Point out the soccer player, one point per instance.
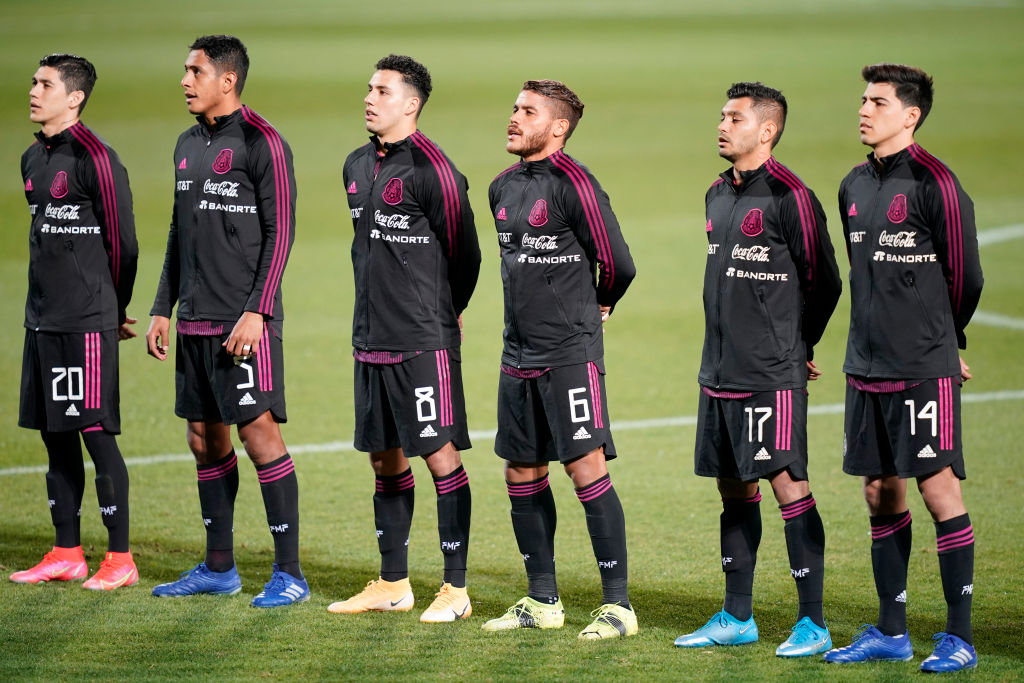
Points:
(231, 232)
(770, 285)
(415, 258)
(915, 281)
(81, 270)
(564, 265)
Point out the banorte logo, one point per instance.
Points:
(222, 164)
(59, 187)
(539, 213)
(753, 223)
(897, 212)
(393, 191)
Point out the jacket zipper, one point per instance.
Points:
(511, 288)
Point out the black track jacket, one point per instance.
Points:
(556, 230)
(915, 275)
(771, 281)
(233, 224)
(82, 248)
(415, 254)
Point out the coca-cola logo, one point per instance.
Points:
(64, 212)
(753, 223)
(59, 187)
(395, 221)
(903, 238)
(222, 164)
(393, 191)
(754, 253)
(897, 212)
(222, 189)
(539, 213)
(540, 242)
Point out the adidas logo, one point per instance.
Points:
(427, 432)
(247, 400)
(28, 185)
(853, 210)
(72, 411)
(926, 452)
(902, 597)
(352, 188)
(581, 434)
(184, 164)
(762, 455)
(501, 214)
(708, 228)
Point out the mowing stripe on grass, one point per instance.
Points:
(997, 235)
(997, 320)
(619, 426)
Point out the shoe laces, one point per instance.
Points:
(445, 597)
(944, 644)
(862, 632)
(277, 583)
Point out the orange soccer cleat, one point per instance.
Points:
(60, 564)
(116, 570)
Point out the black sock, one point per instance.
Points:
(607, 526)
(805, 542)
(393, 505)
(111, 485)
(955, 541)
(534, 520)
(280, 490)
(218, 486)
(890, 554)
(65, 484)
(740, 529)
(454, 507)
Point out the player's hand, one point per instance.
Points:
(157, 337)
(244, 340)
(965, 370)
(462, 337)
(606, 312)
(126, 332)
(813, 372)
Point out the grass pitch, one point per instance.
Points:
(653, 74)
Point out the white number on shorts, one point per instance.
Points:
(425, 402)
(929, 412)
(75, 384)
(760, 423)
(583, 415)
(249, 383)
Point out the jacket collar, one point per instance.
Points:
(60, 138)
(885, 165)
(746, 176)
(220, 122)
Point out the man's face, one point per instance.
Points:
(48, 97)
(882, 115)
(531, 126)
(739, 133)
(388, 102)
(204, 88)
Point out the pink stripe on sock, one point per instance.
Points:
(276, 472)
(595, 490)
(796, 509)
(957, 539)
(453, 482)
(407, 481)
(222, 470)
(527, 489)
(884, 530)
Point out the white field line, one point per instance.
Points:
(619, 426)
(997, 320)
(997, 235)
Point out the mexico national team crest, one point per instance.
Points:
(59, 187)
(393, 191)
(222, 164)
(897, 212)
(753, 223)
(539, 213)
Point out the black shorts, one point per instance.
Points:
(560, 415)
(417, 404)
(211, 387)
(750, 438)
(907, 433)
(69, 381)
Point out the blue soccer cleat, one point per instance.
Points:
(871, 645)
(282, 589)
(951, 654)
(721, 629)
(201, 580)
(806, 639)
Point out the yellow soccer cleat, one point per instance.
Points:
(450, 604)
(528, 613)
(378, 596)
(611, 621)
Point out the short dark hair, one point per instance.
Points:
(413, 73)
(769, 103)
(77, 73)
(913, 86)
(567, 105)
(227, 54)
